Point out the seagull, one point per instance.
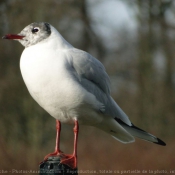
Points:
(72, 86)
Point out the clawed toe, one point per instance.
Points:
(70, 160)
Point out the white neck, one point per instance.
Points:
(58, 40)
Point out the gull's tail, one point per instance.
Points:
(113, 128)
(137, 132)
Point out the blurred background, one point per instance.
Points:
(135, 40)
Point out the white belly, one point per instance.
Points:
(56, 90)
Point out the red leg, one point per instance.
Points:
(57, 146)
(71, 160)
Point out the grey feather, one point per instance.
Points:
(93, 77)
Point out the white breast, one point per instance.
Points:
(43, 75)
(54, 87)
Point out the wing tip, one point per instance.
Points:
(160, 142)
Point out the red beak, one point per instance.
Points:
(13, 36)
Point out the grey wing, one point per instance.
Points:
(93, 77)
(91, 69)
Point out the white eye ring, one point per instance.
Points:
(35, 30)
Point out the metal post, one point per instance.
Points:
(53, 167)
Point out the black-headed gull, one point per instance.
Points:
(72, 86)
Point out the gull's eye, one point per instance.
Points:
(35, 30)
